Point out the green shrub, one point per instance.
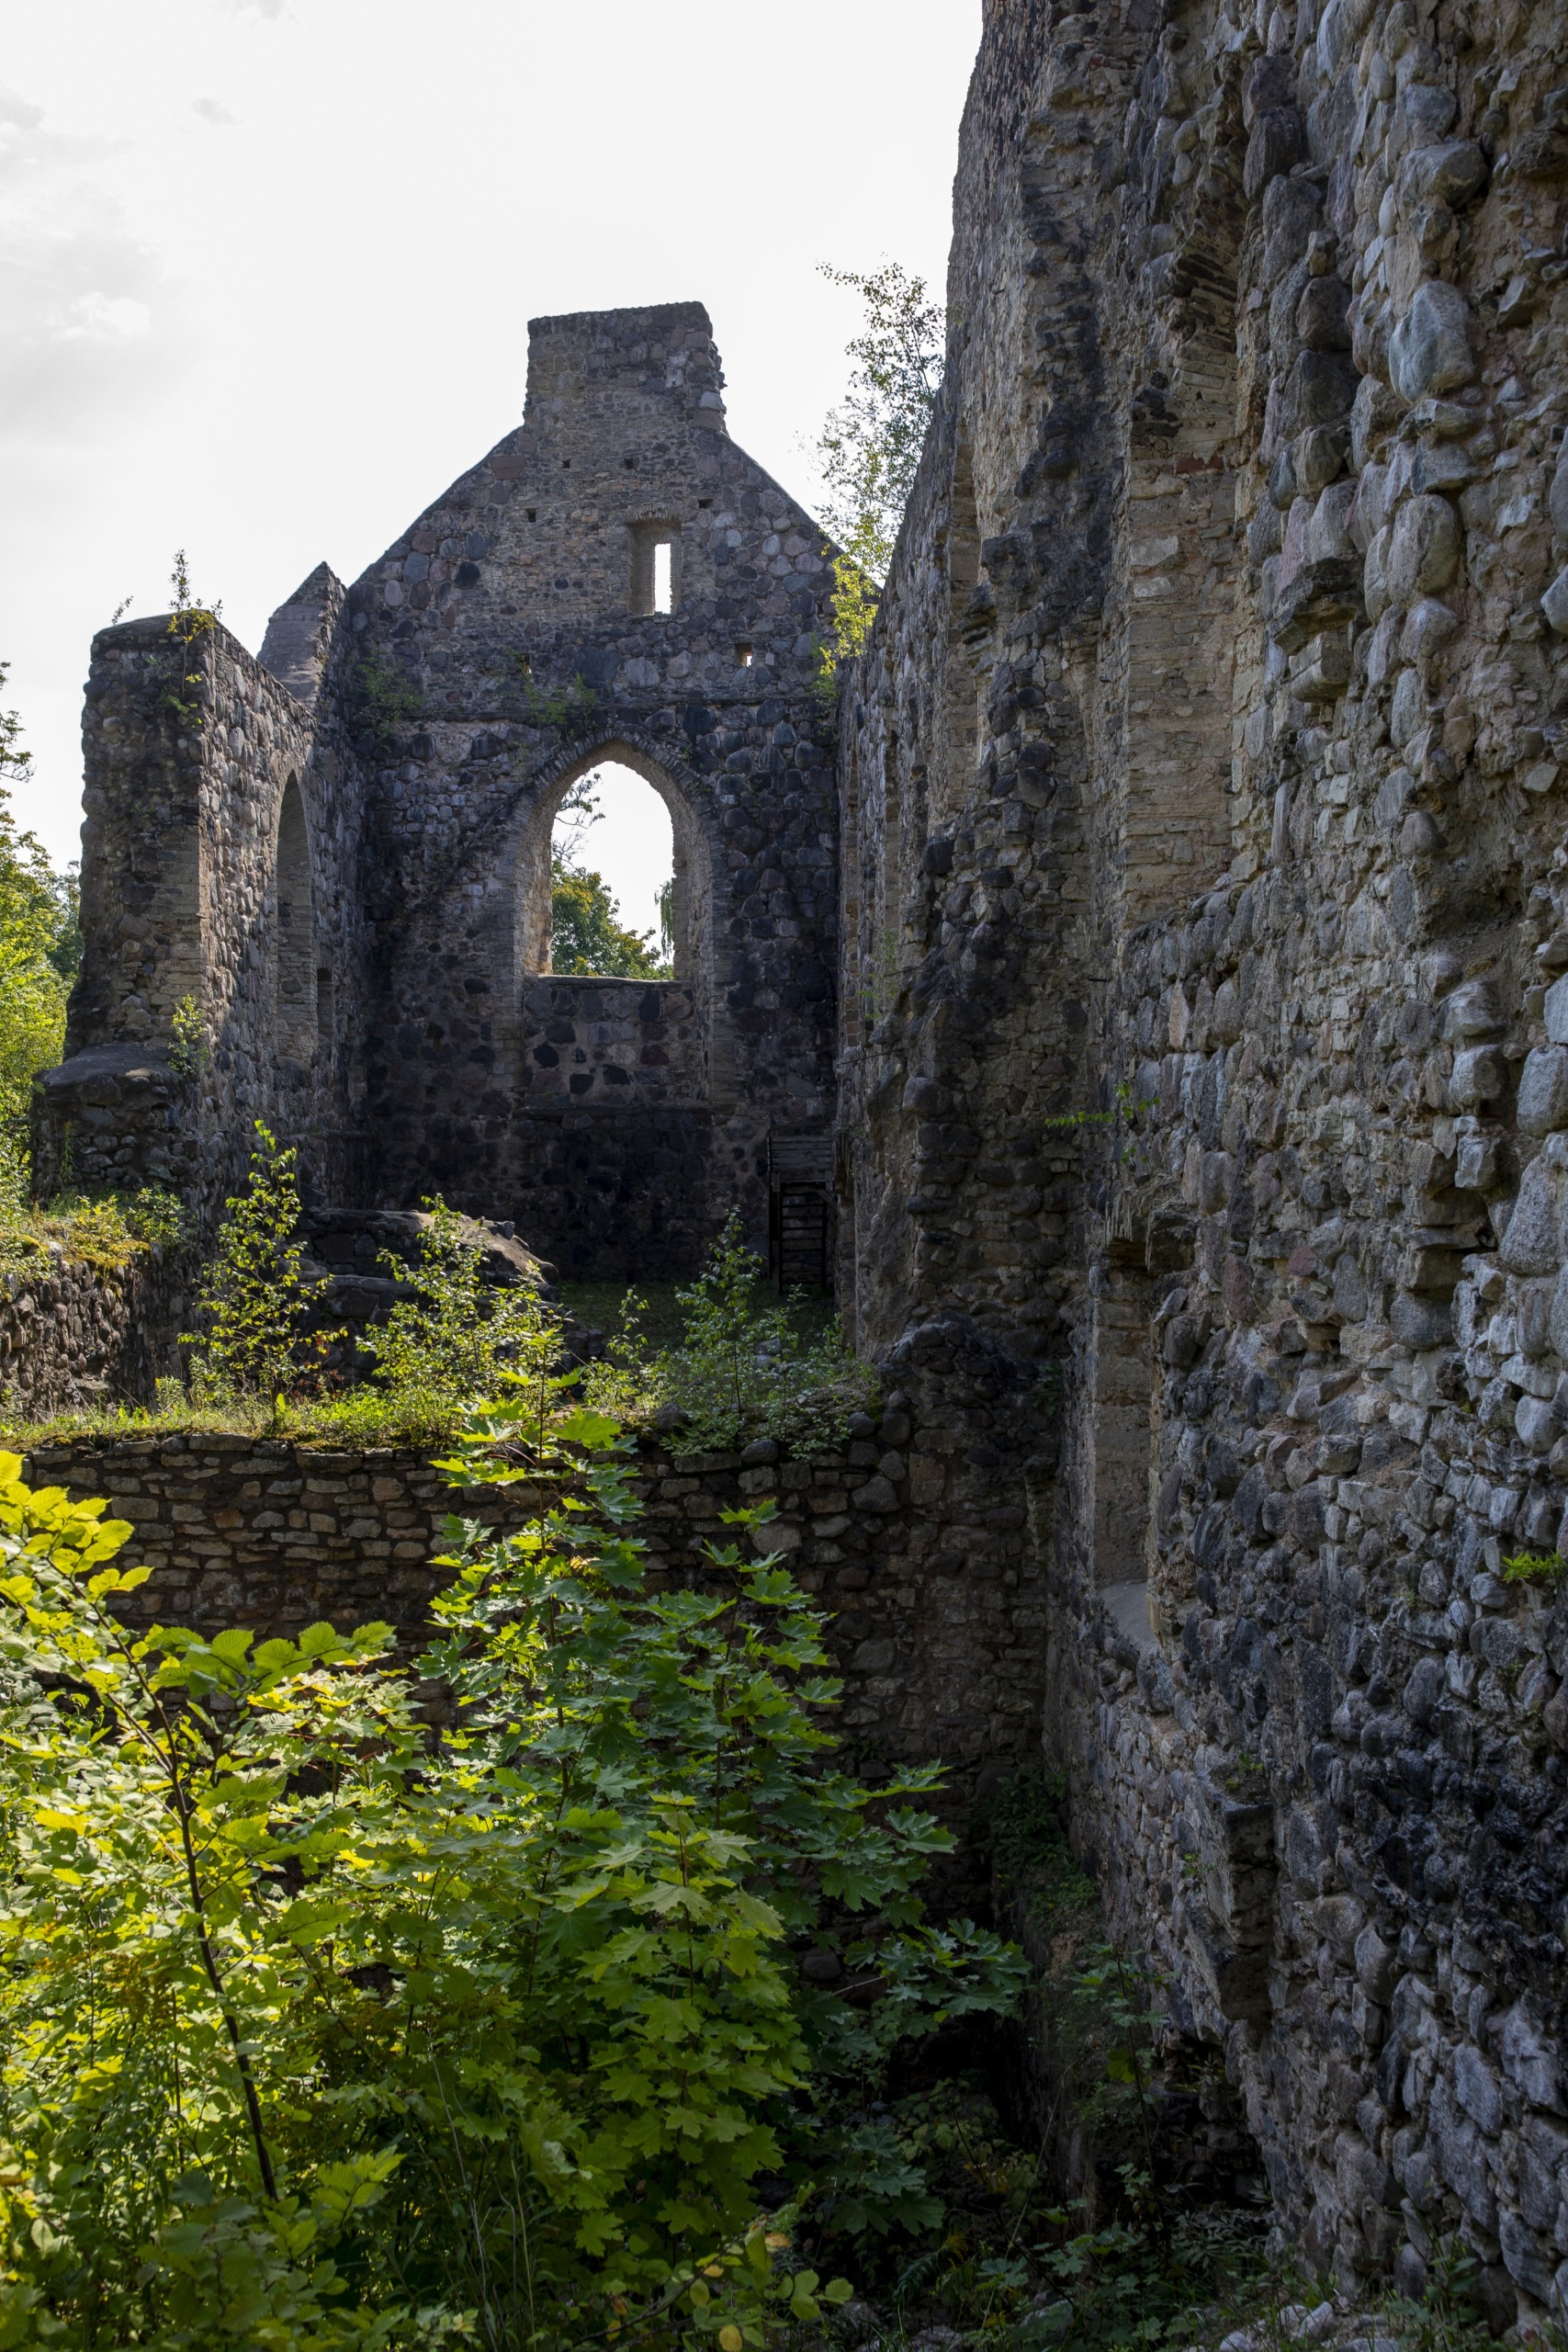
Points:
(453, 1341)
(322, 2029)
(105, 1230)
(1535, 1567)
(251, 1299)
(744, 1370)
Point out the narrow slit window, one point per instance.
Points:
(743, 657)
(655, 567)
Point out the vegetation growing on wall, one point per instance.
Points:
(105, 1230)
(191, 620)
(40, 952)
(571, 709)
(382, 699)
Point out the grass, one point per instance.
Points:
(363, 1416)
(660, 1323)
(367, 1417)
(602, 1305)
(105, 1230)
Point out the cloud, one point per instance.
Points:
(212, 111)
(106, 318)
(92, 329)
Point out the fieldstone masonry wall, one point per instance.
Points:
(339, 855)
(931, 1595)
(71, 1336)
(1203, 846)
(208, 883)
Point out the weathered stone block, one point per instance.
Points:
(1544, 1090)
(1429, 348)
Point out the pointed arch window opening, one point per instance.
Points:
(653, 867)
(611, 878)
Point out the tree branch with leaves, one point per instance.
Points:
(870, 445)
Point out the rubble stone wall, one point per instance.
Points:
(1204, 849)
(219, 874)
(935, 1605)
(1192, 906)
(73, 1335)
(517, 611)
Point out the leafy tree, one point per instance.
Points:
(458, 1337)
(40, 945)
(870, 446)
(325, 2030)
(251, 1300)
(586, 933)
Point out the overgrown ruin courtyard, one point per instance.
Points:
(1117, 967)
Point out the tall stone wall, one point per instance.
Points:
(1193, 915)
(221, 874)
(518, 611)
(1203, 850)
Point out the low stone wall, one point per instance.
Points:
(73, 1335)
(934, 1613)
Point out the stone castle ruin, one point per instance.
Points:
(359, 904)
(1163, 983)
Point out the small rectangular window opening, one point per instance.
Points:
(653, 567)
(743, 657)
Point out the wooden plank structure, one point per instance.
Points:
(800, 1172)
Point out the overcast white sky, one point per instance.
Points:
(266, 265)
